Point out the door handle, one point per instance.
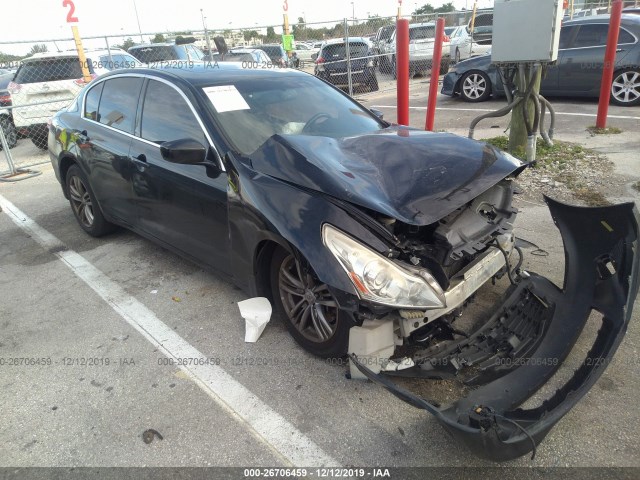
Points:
(140, 162)
(83, 136)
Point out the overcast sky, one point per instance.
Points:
(46, 19)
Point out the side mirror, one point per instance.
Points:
(185, 151)
(377, 113)
(314, 56)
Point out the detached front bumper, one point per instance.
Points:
(531, 334)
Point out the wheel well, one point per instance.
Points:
(65, 165)
(262, 266)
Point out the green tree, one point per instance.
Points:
(425, 10)
(446, 8)
(249, 34)
(6, 57)
(159, 38)
(127, 44)
(38, 48)
(271, 34)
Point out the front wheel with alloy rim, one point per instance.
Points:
(625, 88)
(84, 205)
(307, 307)
(475, 86)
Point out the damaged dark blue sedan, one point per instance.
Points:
(364, 235)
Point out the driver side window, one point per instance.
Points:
(167, 116)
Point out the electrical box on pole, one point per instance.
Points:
(526, 31)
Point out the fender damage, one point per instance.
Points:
(535, 328)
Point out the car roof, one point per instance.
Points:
(627, 19)
(244, 50)
(334, 41)
(426, 24)
(208, 73)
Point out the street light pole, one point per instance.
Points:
(206, 33)
(138, 20)
(353, 12)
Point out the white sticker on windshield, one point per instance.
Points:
(226, 98)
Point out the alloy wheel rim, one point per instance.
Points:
(626, 87)
(308, 304)
(81, 200)
(474, 86)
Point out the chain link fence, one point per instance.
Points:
(38, 82)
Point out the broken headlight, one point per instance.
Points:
(379, 279)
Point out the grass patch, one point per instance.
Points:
(593, 130)
(563, 163)
(557, 157)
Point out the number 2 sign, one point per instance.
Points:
(72, 8)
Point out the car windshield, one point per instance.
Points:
(339, 51)
(49, 70)
(420, 33)
(155, 54)
(300, 105)
(273, 51)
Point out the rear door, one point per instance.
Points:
(181, 205)
(582, 63)
(109, 115)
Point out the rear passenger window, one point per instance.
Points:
(591, 36)
(166, 116)
(91, 102)
(119, 102)
(625, 37)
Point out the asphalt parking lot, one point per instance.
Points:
(109, 319)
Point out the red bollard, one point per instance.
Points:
(609, 63)
(402, 70)
(435, 75)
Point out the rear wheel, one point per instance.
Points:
(373, 83)
(84, 205)
(39, 136)
(475, 86)
(307, 307)
(9, 130)
(625, 88)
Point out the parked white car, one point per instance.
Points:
(421, 46)
(47, 82)
(304, 52)
(462, 46)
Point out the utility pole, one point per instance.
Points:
(518, 134)
(138, 19)
(206, 33)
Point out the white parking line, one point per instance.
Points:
(621, 117)
(268, 426)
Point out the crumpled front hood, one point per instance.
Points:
(414, 176)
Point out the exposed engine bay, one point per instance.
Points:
(532, 330)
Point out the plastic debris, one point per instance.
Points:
(256, 313)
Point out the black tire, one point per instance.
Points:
(39, 136)
(10, 132)
(475, 86)
(373, 83)
(84, 205)
(384, 65)
(625, 88)
(325, 331)
(444, 66)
